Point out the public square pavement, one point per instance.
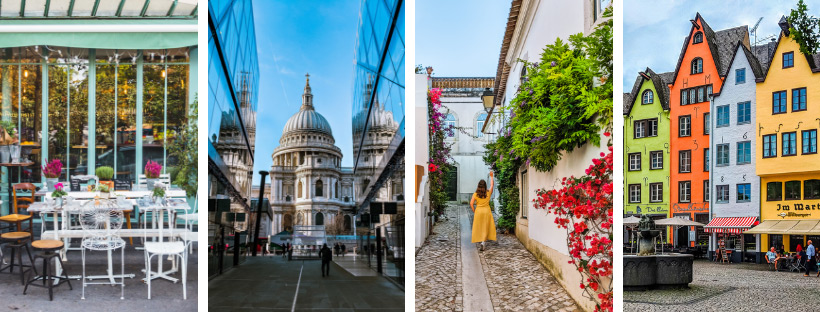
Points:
(736, 287)
(273, 283)
(165, 295)
(453, 275)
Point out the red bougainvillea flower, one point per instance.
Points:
(433, 167)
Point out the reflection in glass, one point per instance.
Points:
(153, 114)
(126, 121)
(57, 115)
(78, 110)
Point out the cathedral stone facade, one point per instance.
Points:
(308, 184)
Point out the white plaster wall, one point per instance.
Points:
(422, 155)
(468, 149)
(734, 174)
(550, 20)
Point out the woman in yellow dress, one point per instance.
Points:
(483, 223)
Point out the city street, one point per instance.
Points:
(273, 283)
(453, 275)
(718, 287)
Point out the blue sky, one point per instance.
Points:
(460, 39)
(293, 38)
(662, 29)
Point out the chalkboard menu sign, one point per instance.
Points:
(122, 185)
(75, 185)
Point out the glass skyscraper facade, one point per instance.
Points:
(233, 77)
(378, 133)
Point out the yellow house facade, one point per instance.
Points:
(788, 117)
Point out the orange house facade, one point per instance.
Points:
(698, 74)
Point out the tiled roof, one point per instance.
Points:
(721, 44)
(763, 54)
(661, 83)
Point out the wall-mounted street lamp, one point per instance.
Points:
(488, 99)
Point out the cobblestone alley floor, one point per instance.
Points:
(513, 280)
(739, 287)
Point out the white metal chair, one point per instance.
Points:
(101, 220)
(190, 217)
(165, 178)
(161, 248)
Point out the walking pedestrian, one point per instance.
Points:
(326, 256)
(284, 250)
(343, 249)
(336, 248)
(290, 251)
(483, 223)
(809, 258)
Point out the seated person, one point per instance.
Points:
(772, 257)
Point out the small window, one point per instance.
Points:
(646, 128)
(684, 126)
(705, 160)
(648, 97)
(722, 194)
(798, 99)
(480, 124)
(656, 160)
(640, 129)
(769, 145)
(684, 191)
(698, 38)
(789, 144)
(788, 59)
(319, 189)
(810, 141)
(722, 116)
(722, 157)
(779, 102)
(744, 152)
(811, 189)
(685, 161)
(744, 193)
(774, 191)
(740, 76)
(707, 123)
(707, 191)
(792, 190)
(697, 66)
(634, 193)
(635, 162)
(655, 192)
(744, 113)
(449, 122)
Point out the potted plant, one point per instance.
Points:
(58, 194)
(105, 174)
(152, 170)
(158, 193)
(9, 146)
(52, 172)
(105, 191)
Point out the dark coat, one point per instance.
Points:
(326, 254)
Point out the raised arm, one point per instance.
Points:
(492, 185)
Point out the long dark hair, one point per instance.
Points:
(481, 191)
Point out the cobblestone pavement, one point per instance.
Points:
(740, 287)
(516, 280)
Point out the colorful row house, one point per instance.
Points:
(646, 147)
(735, 201)
(787, 120)
(729, 139)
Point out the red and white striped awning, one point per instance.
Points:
(730, 225)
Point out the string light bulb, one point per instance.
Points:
(163, 74)
(25, 73)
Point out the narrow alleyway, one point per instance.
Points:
(453, 275)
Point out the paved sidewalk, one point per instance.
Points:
(272, 283)
(511, 276)
(738, 287)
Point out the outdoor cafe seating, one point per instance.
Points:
(88, 221)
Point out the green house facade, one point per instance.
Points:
(646, 146)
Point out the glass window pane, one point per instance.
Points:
(153, 114)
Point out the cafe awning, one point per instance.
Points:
(794, 227)
(730, 225)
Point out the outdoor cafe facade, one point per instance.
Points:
(110, 88)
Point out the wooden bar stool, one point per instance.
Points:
(21, 201)
(49, 248)
(16, 241)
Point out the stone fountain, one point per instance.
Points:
(648, 270)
